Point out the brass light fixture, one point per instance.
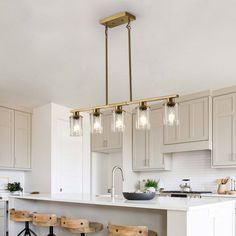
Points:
(118, 124)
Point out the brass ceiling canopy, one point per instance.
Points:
(117, 19)
(142, 120)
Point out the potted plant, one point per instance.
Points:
(14, 188)
(151, 185)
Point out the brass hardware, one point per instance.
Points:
(96, 112)
(118, 110)
(106, 63)
(112, 105)
(143, 106)
(117, 19)
(170, 102)
(130, 61)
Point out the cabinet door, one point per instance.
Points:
(139, 148)
(6, 137)
(100, 141)
(223, 130)
(155, 140)
(193, 123)
(22, 140)
(114, 138)
(108, 141)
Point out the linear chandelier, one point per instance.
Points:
(142, 109)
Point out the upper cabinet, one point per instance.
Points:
(6, 137)
(194, 129)
(224, 131)
(15, 138)
(22, 140)
(108, 141)
(147, 145)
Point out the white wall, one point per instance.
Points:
(193, 165)
(13, 176)
(102, 165)
(39, 180)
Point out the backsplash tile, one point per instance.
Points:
(193, 165)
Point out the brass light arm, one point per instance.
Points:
(113, 105)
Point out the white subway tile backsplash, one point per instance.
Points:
(193, 165)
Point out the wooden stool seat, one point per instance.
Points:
(45, 220)
(25, 217)
(20, 216)
(80, 226)
(119, 230)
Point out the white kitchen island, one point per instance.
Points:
(167, 216)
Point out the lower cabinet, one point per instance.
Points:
(3, 218)
(147, 145)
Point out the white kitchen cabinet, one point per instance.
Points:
(108, 141)
(224, 131)
(22, 158)
(193, 131)
(6, 138)
(15, 138)
(147, 153)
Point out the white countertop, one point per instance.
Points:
(159, 203)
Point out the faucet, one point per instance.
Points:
(113, 179)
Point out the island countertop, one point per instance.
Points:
(158, 203)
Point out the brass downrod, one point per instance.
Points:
(130, 62)
(106, 63)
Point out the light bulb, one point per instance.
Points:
(118, 122)
(142, 117)
(76, 125)
(171, 113)
(96, 122)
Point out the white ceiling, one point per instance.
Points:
(53, 51)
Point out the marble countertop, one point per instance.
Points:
(159, 203)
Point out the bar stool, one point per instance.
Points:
(80, 226)
(46, 220)
(22, 216)
(120, 230)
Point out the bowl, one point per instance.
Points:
(139, 196)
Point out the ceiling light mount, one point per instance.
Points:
(117, 19)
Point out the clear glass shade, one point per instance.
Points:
(118, 121)
(171, 115)
(96, 123)
(76, 125)
(142, 118)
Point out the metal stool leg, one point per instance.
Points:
(31, 231)
(21, 232)
(51, 231)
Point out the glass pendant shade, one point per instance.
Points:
(118, 121)
(143, 118)
(171, 114)
(96, 122)
(76, 125)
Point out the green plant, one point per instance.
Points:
(14, 187)
(151, 183)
